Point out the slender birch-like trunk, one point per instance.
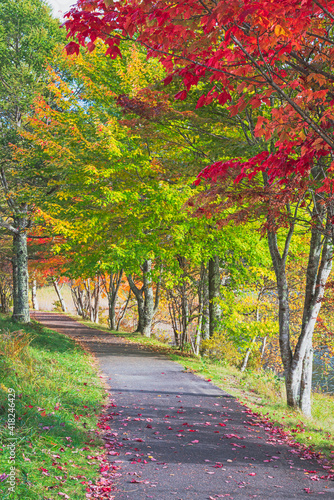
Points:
(214, 294)
(206, 308)
(59, 294)
(34, 300)
(115, 281)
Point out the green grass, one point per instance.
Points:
(58, 399)
(262, 391)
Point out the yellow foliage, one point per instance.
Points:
(221, 348)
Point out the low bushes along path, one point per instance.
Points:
(178, 437)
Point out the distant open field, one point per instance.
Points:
(47, 298)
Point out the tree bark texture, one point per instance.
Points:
(14, 270)
(20, 275)
(214, 294)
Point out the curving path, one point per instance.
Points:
(182, 438)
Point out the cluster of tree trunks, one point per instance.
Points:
(86, 295)
(112, 289)
(196, 297)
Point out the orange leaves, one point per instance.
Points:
(261, 126)
(279, 30)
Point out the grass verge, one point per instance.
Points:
(58, 398)
(262, 391)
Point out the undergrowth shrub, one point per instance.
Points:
(220, 347)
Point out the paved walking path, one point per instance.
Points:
(182, 438)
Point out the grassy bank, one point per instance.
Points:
(58, 397)
(262, 391)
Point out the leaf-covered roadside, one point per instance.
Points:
(59, 397)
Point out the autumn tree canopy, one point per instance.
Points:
(271, 54)
(277, 59)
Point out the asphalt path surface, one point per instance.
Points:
(180, 437)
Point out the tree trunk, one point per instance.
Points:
(20, 275)
(248, 353)
(5, 294)
(317, 276)
(139, 295)
(206, 308)
(172, 308)
(214, 294)
(263, 348)
(88, 300)
(34, 296)
(59, 295)
(185, 314)
(201, 286)
(148, 298)
(250, 348)
(15, 292)
(96, 296)
(298, 365)
(123, 311)
(147, 305)
(77, 296)
(115, 281)
(279, 263)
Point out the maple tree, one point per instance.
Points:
(278, 54)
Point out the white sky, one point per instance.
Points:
(60, 6)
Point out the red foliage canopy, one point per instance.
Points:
(267, 53)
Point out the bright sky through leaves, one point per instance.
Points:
(60, 7)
